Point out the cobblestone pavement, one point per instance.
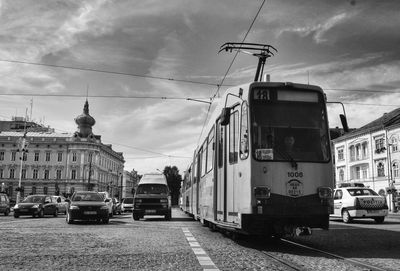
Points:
(155, 244)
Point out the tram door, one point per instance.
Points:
(220, 184)
(232, 158)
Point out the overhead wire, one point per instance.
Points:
(110, 72)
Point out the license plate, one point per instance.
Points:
(373, 211)
(89, 212)
(150, 211)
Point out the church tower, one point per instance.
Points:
(85, 123)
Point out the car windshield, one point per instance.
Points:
(33, 199)
(152, 189)
(87, 197)
(128, 200)
(362, 192)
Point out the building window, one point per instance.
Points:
(379, 145)
(46, 174)
(23, 173)
(340, 154)
(1, 156)
(45, 190)
(48, 156)
(35, 174)
(1, 173)
(341, 175)
(395, 169)
(60, 156)
(365, 150)
(381, 169)
(36, 156)
(12, 173)
(73, 174)
(34, 189)
(352, 153)
(13, 155)
(394, 144)
(74, 157)
(58, 174)
(24, 156)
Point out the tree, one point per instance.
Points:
(174, 180)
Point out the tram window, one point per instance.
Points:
(195, 170)
(233, 136)
(204, 158)
(220, 146)
(244, 133)
(210, 150)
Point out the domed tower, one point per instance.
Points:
(85, 123)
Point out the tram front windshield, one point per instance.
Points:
(289, 125)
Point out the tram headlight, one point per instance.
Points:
(325, 192)
(262, 192)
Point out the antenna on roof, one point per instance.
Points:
(262, 51)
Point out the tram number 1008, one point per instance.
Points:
(295, 174)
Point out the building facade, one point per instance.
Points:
(59, 163)
(371, 155)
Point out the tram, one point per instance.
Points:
(264, 167)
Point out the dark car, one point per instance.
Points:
(36, 205)
(4, 204)
(87, 205)
(61, 203)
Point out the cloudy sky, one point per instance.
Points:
(348, 47)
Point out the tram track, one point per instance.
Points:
(299, 265)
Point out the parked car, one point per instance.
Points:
(36, 205)
(116, 206)
(87, 205)
(61, 203)
(4, 204)
(359, 202)
(109, 202)
(127, 205)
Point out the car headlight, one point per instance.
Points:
(73, 207)
(36, 206)
(16, 206)
(104, 207)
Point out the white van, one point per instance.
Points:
(152, 197)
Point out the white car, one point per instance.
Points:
(127, 205)
(109, 203)
(359, 202)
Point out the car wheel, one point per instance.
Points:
(379, 219)
(136, 217)
(56, 213)
(16, 215)
(168, 217)
(346, 217)
(41, 213)
(106, 220)
(68, 219)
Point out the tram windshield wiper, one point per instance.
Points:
(286, 155)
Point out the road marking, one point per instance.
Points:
(202, 257)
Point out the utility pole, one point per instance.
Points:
(23, 144)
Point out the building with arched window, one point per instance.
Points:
(59, 163)
(370, 154)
